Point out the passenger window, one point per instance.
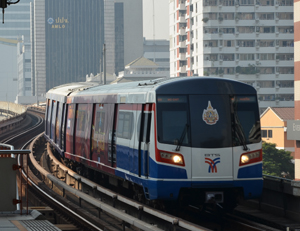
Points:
(125, 125)
(146, 129)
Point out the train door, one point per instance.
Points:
(49, 116)
(83, 131)
(58, 125)
(63, 128)
(53, 120)
(127, 157)
(102, 145)
(70, 130)
(211, 134)
(112, 146)
(143, 136)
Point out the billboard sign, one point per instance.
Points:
(293, 129)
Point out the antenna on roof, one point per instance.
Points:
(153, 31)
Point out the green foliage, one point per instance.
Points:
(277, 162)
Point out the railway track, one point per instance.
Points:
(91, 207)
(140, 211)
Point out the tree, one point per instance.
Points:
(277, 162)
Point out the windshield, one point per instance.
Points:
(246, 129)
(172, 117)
(209, 118)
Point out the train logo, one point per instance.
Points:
(212, 164)
(210, 115)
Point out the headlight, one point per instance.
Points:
(177, 159)
(171, 158)
(245, 159)
(251, 157)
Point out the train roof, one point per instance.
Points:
(144, 91)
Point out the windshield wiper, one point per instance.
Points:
(238, 129)
(182, 137)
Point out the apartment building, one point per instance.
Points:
(297, 83)
(247, 40)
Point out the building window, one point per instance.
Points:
(285, 16)
(266, 97)
(266, 133)
(265, 16)
(270, 133)
(265, 43)
(265, 84)
(285, 84)
(285, 70)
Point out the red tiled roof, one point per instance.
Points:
(285, 113)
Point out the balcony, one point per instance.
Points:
(181, 6)
(181, 19)
(182, 56)
(182, 69)
(182, 31)
(182, 44)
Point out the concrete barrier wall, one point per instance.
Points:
(16, 108)
(17, 114)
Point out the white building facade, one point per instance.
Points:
(24, 69)
(247, 40)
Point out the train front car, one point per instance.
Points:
(208, 142)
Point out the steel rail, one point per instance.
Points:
(47, 195)
(168, 218)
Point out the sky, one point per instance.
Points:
(161, 15)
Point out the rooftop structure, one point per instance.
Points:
(274, 127)
(141, 69)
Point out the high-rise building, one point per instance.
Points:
(297, 82)
(24, 70)
(123, 22)
(158, 52)
(16, 21)
(16, 27)
(247, 40)
(67, 38)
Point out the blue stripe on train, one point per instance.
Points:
(254, 171)
(162, 188)
(127, 159)
(169, 190)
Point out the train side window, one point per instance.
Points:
(125, 125)
(63, 127)
(53, 120)
(47, 116)
(146, 130)
(50, 109)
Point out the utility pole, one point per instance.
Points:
(3, 5)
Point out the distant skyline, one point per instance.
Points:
(161, 13)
